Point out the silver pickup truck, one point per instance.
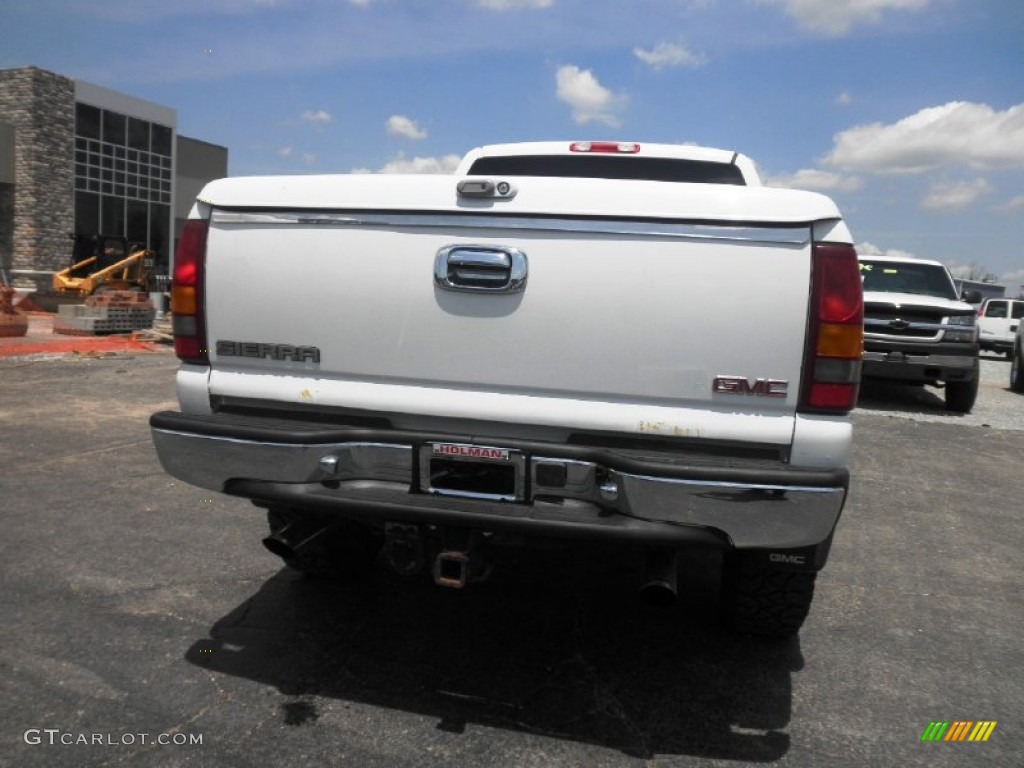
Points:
(613, 342)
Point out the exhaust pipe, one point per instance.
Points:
(658, 587)
(278, 545)
(278, 542)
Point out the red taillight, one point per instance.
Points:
(607, 147)
(835, 338)
(187, 294)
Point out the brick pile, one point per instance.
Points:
(113, 312)
(12, 322)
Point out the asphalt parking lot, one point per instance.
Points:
(138, 610)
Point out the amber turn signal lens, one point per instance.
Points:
(183, 300)
(840, 341)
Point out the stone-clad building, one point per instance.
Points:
(78, 158)
(37, 170)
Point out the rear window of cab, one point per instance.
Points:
(610, 167)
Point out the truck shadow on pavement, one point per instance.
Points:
(879, 395)
(554, 645)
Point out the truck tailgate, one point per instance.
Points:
(622, 324)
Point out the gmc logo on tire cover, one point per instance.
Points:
(741, 385)
(470, 452)
(777, 557)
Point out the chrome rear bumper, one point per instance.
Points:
(563, 491)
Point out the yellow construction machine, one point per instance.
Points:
(105, 263)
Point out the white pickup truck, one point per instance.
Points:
(613, 342)
(918, 330)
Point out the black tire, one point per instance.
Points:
(961, 395)
(341, 551)
(1017, 369)
(760, 600)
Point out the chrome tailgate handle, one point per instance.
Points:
(481, 268)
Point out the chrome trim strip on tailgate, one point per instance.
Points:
(787, 235)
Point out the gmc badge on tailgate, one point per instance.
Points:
(741, 385)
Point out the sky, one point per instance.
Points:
(909, 113)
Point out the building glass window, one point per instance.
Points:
(87, 121)
(137, 230)
(158, 218)
(113, 127)
(122, 177)
(113, 215)
(138, 134)
(161, 139)
(87, 213)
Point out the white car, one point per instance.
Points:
(998, 320)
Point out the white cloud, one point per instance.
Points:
(844, 99)
(870, 249)
(319, 117)
(590, 101)
(510, 5)
(665, 55)
(289, 153)
(401, 164)
(955, 195)
(956, 134)
(1013, 205)
(1014, 282)
(399, 125)
(815, 180)
(837, 17)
